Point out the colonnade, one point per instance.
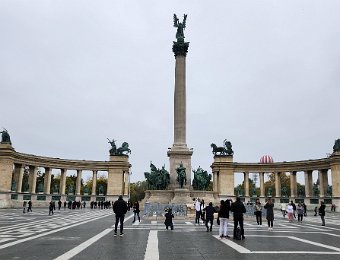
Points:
(224, 170)
(14, 164)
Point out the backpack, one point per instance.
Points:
(238, 234)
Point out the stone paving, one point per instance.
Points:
(88, 234)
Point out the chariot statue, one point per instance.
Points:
(5, 137)
(123, 150)
(226, 149)
(201, 179)
(181, 175)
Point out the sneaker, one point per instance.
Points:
(227, 236)
(115, 234)
(243, 238)
(121, 234)
(221, 236)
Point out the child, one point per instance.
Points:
(168, 219)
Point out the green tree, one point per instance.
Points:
(100, 181)
(137, 191)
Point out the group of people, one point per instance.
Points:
(27, 206)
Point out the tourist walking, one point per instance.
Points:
(304, 209)
(322, 212)
(270, 213)
(168, 219)
(198, 211)
(203, 211)
(50, 208)
(120, 209)
(223, 216)
(290, 211)
(59, 204)
(136, 211)
(258, 212)
(283, 209)
(294, 208)
(238, 210)
(300, 211)
(29, 209)
(209, 216)
(24, 205)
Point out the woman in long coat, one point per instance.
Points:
(270, 213)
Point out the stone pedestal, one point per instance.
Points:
(182, 196)
(6, 167)
(117, 183)
(176, 157)
(223, 170)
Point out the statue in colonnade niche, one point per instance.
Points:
(336, 147)
(40, 187)
(181, 175)
(5, 137)
(225, 150)
(14, 186)
(270, 192)
(70, 189)
(101, 190)
(301, 191)
(26, 187)
(284, 192)
(201, 179)
(86, 190)
(254, 191)
(55, 188)
(329, 190)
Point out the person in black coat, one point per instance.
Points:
(209, 216)
(120, 209)
(322, 212)
(168, 219)
(270, 213)
(238, 210)
(136, 211)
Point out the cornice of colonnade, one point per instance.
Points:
(58, 163)
(305, 165)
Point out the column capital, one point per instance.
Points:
(180, 48)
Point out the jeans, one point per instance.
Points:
(198, 215)
(300, 217)
(259, 217)
(223, 227)
(211, 220)
(323, 219)
(270, 222)
(134, 216)
(119, 219)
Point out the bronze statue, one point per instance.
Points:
(201, 179)
(336, 147)
(180, 27)
(157, 179)
(181, 175)
(123, 150)
(225, 150)
(5, 137)
(284, 192)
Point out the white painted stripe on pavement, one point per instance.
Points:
(153, 222)
(84, 245)
(47, 233)
(316, 244)
(152, 252)
(233, 245)
(189, 223)
(297, 252)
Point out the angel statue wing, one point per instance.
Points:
(175, 21)
(184, 20)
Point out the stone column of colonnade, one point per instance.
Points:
(32, 179)
(62, 186)
(335, 170)
(308, 183)
(78, 182)
(293, 184)
(278, 184)
(246, 184)
(47, 180)
(94, 183)
(262, 191)
(323, 183)
(20, 168)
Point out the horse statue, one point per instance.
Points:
(201, 179)
(181, 175)
(225, 150)
(157, 179)
(5, 137)
(123, 148)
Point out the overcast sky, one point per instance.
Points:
(262, 74)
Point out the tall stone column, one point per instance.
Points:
(246, 184)
(20, 178)
(335, 171)
(63, 182)
(78, 182)
(293, 185)
(277, 184)
(180, 153)
(308, 183)
(32, 178)
(262, 191)
(94, 183)
(321, 184)
(325, 180)
(47, 180)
